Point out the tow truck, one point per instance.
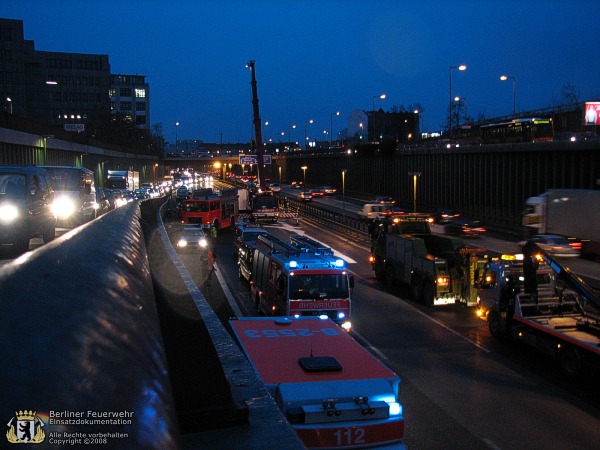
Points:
(440, 270)
(535, 300)
(334, 393)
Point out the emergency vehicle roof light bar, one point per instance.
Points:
(307, 244)
(276, 245)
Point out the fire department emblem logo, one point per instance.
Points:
(25, 428)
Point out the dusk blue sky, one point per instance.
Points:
(314, 58)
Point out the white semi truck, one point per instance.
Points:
(574, 213)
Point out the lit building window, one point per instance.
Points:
(140, 93)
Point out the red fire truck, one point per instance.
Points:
(265, 206)
(302, 278)
(211, 210)
(334, 393)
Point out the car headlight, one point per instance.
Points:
(8, 213)
(63, 207)
(181, 243)
(203, 243)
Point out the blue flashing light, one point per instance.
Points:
(339, 263)
(395, 409)
(341, 315)
(293, 264)
(323, 317)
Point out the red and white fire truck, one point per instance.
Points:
(302, 278)
(265, 206)
(209, 209)
(334, 393)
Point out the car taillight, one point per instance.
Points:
(575, 245)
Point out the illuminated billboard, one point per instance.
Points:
(592, 113)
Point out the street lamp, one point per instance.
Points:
(176, 128)
(266, 125)
(304, 182)
(361, 131)
(415, 176)
(381, 96)
(506, 77)
(344, 193)
(337, 113)
(306, 122)
(155, 166)
(461, 68)
(289, 136)
(9, 100)
(459, 101)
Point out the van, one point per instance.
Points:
(74, 195)
(26, 198)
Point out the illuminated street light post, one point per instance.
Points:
(461, 68)
(506, 77)
(266, 125)
(155, 166)
(415, 176)
(9, 100)
(304, 182)
(460, 100)
(381, 96)
(337, 113)
(289, 136)
(306, 122)
(176, 128)
(344, 194)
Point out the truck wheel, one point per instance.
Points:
(428, 293)
(570, 361)
(494, 325)
(48, 233)
(379, 273)
(416, 288)
(257, 304)
(389, 276)
(21, 245)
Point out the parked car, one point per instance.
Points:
(555, 245)
(191, 238)
(465, 228)
(26, 198)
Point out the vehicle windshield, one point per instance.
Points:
(318, 286)
(12, 185)
(64, 179)
(265, 202)
(196, 207)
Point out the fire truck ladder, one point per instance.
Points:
(308, 245)
(276, 245)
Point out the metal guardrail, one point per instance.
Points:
(92, 330)
(341, 222)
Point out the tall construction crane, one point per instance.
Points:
(257, 130)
